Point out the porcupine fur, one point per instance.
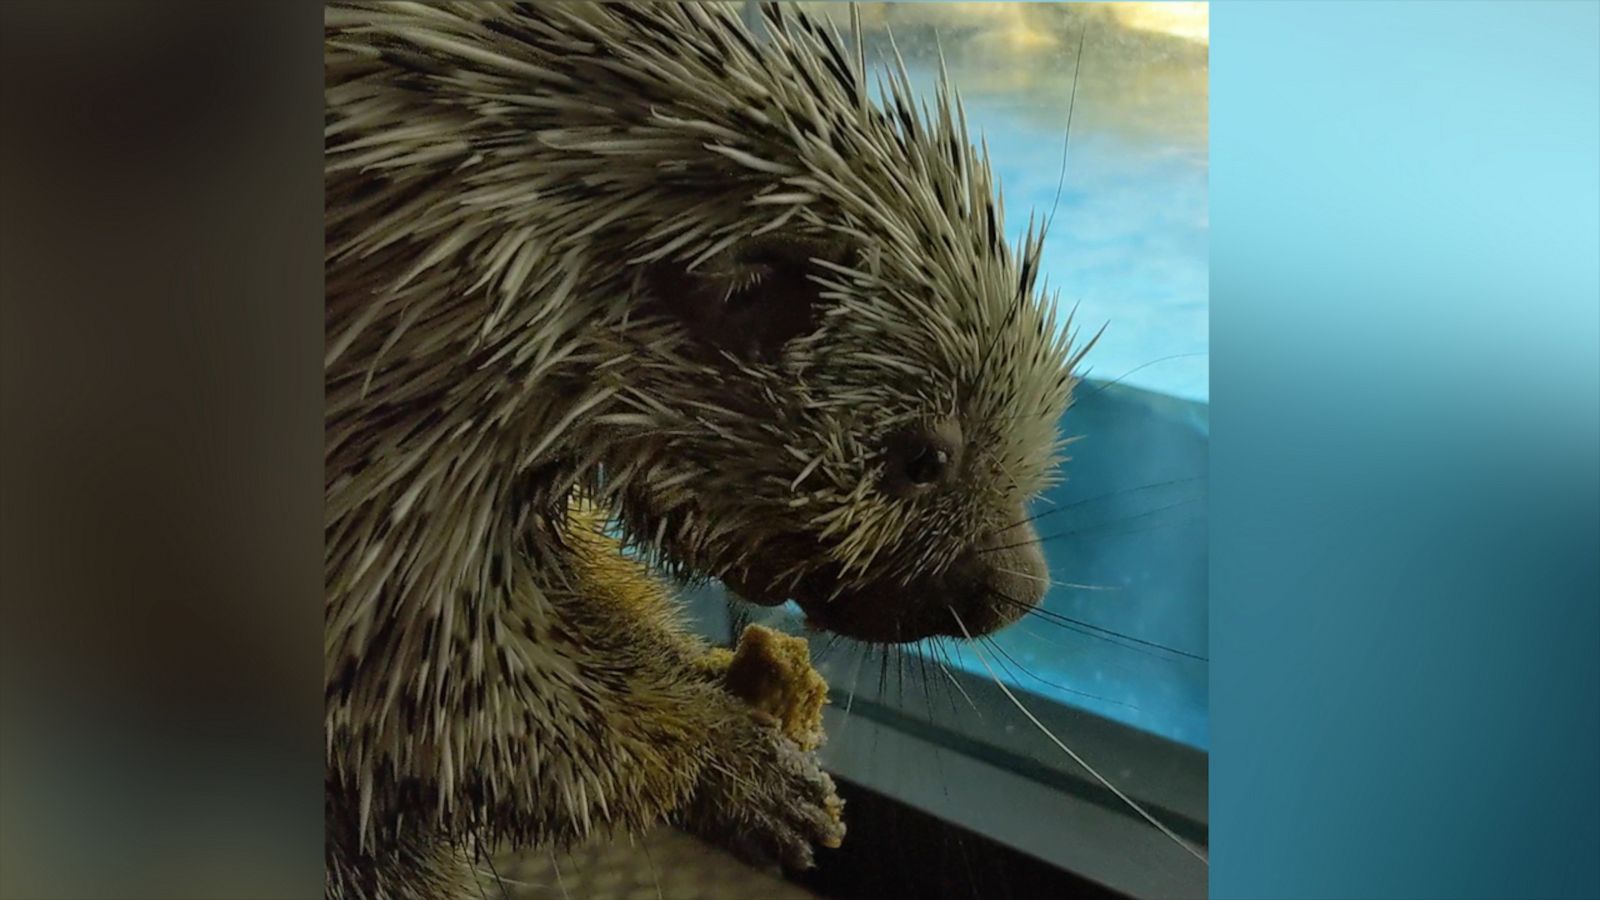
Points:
(591, 263)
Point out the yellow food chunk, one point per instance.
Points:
(772, 672)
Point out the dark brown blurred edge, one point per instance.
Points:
(160, 425)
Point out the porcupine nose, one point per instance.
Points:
(1005, 576)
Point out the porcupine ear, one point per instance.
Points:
(750, 301)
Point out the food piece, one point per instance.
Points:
(772, 672)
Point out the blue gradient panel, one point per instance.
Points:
(1405, 625)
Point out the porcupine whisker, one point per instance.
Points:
(518, 882)
(1103, 529)
(927, 692)
(922, 673)
(886, 659)
(899, 675)
(1061, 584)
(486, 857)
(944, 667)
(833, 641)
(850, 698)
(1022, 628)
(1091, 529)
(1104, 782)
(1066, 139)
(1099, 497)
(1090, 629)
(996, 646)
(1095, 389)
(655, 875)
(928, 653)
(477, 880)
(1030, 261)
(556, 867)
(1100, 387)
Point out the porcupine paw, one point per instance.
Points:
(771, 804)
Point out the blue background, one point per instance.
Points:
(1405, 641)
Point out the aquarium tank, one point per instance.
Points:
(1095, 119)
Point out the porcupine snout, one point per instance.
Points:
(1000, 576)
(992, 584)
(999, 580)
(995, 578)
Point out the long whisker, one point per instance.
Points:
(655, 875)
(943, 667)
(899, 674)
(1090, 529)
(995, 645)
(488, 858)
(1099, 497)
(560, 882)
(886, 653)
(1021, 627)
(481, 874)
(477, 856)
(1197, 854)
(850, 698)
(1066, 139)
(1102, 531)
(1093, 386)
(1118, 380)
(1090, 629)
(1053, 583)
(922, 674)
(827, 649)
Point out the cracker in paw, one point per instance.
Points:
(772, 672)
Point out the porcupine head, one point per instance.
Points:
(862, 389)
(768, 324)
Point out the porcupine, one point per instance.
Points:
(624, 264)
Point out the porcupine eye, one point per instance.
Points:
(751, 304)
(921, 458)
(927, 465)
